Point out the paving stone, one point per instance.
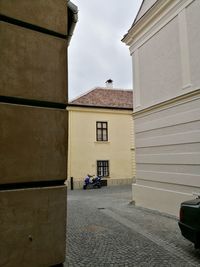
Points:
(105, 230)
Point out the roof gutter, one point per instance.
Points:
(72, 19)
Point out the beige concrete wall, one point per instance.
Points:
(49, 14)
(33, 64)
(33, 138)
(32, 227)
(84, 150)
(33, 144)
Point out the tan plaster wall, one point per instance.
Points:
(33, 65)
(49, 14)
(33, 144)
(32, 227)
(84, 150)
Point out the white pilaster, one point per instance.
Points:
(184, 50)
(136, 74)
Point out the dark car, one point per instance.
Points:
(189, 221)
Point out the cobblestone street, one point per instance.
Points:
(105, 230)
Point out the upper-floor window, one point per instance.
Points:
(102, 130)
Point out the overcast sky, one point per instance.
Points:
(96, 52)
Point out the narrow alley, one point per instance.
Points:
(104, 229)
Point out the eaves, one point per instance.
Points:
(99, 107)
(72, 19)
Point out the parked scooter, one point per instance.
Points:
(91, 183)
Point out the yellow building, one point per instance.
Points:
(101, 136)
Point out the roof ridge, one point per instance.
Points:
(114, 89)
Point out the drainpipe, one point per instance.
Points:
(72, 19)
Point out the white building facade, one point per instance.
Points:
(164, 42)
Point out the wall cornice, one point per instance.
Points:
(145, 21)
(156, 18)
(99, 110)
(167, 104)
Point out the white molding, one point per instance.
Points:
(187, 86)
(172, 120)
(183, 179)
(137, 94)
(191, 137)
(155, 24)
(184, 50)
(178, 100)
(145, 22)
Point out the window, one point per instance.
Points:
(102, 130)
(102, 168)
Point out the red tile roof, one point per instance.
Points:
(106, 97)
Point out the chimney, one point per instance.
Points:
(109, 83)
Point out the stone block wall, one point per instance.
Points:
(33, 132)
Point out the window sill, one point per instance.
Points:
(102, 142)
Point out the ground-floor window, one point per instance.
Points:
(103, 168)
